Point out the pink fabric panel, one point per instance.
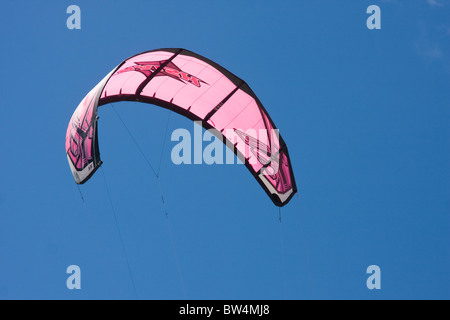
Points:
(207, 89)
(242, 112)
(231, 110)
(163, 88)
(124, 83)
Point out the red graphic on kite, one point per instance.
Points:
(147, 68)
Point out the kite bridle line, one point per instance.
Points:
(158, 180)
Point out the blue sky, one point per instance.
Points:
(365, 115)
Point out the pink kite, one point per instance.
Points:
(199, 89)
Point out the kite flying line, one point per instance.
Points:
(120, 234)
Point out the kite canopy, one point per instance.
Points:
(199, 89)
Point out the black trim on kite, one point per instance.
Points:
(99, 163)
(151, 76)
(221, 103)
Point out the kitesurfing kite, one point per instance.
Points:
(199, 89)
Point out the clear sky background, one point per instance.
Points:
(365, 114)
